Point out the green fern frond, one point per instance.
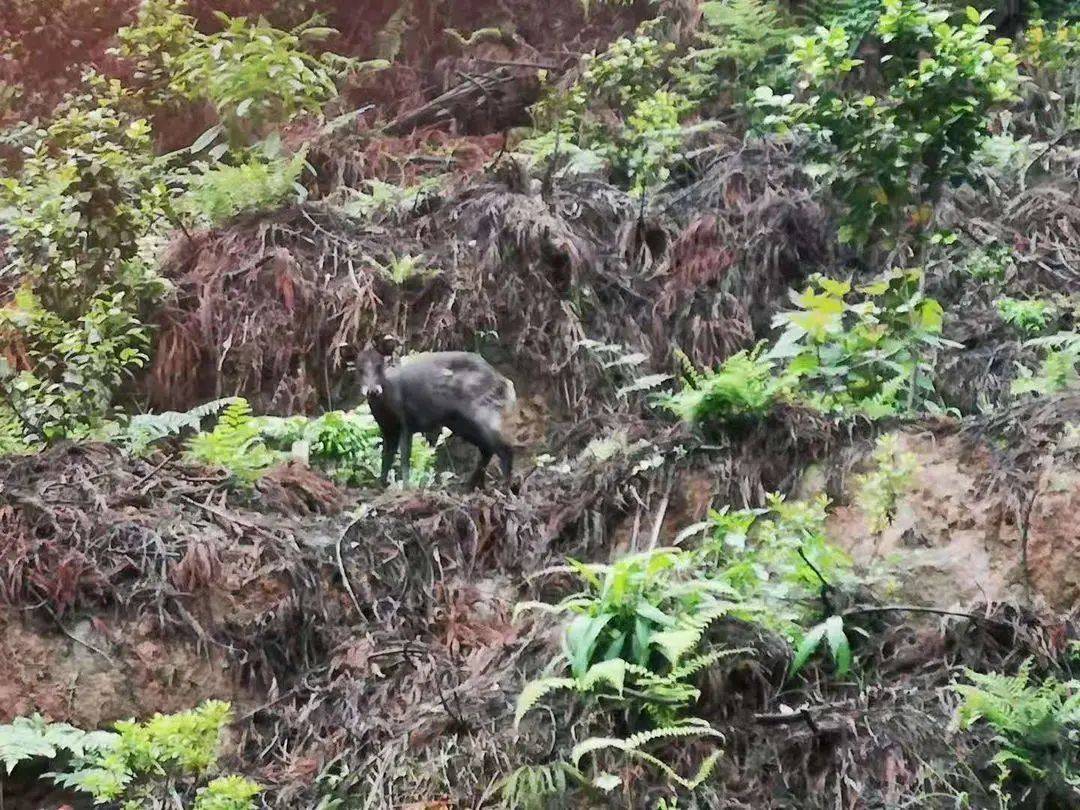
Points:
(694, 727)
(689, 370)
(691, 727)
(703, 619)
(532, 787)
(29, 738)
(612, 672)
(144, 429)
(235, 444)
(1034, 723)
(694, 665)
(703, 771)
(533, 691)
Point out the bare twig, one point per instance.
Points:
(863, 610)
(157, 468)
(658, 521)
(76, 639)
(232, 519)
(517, 63)
(826, 588)
(345, 575)
(1025, 529)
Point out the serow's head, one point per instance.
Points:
(371, 372)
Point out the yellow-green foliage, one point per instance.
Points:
(227, 793)
(862, 349)
(1028, 316)
(76, 217)
(143, 761)
(235, 443)
(1051, 46)
(880, 489)
(257, 183)
(744, 389)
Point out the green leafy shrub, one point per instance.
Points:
(1059, 370)
(1036, 726)
(644, 608)
(636, 637)
(780, 564)
(636, 640)
(880, 489)
(80, 218)
(743, 390)
(625, 110)
(348, 445)
(651, 138)
(1051, 45)
(856, 17)
(145, 762)
(256, 75)
(259, 182)
(858, 350)
(77, 365)
(236, 444)
(159, 38)
(740, 44)
(768, 558)
(87, 192)
(227, 793)
(13, 432)
(989, 264)
(1030, 316)
(887, 154)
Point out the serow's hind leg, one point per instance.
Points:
(506, 462)
(406, 456)
(389, 450)
(477, 479)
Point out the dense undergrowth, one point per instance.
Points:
(711, 242)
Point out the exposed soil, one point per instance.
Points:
(955, 539)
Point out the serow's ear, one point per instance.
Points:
(387, 345)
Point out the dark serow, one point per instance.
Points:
(428, 392)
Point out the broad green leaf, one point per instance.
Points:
(931, 315)
(818, 323)
(641, 641)
(834, 287)
(206, 138)
(533, 691)
(806, 648)
(654, 614)
(581, 637)
(838, 644)
(674, 644)
(615, 646)
(611, 672)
